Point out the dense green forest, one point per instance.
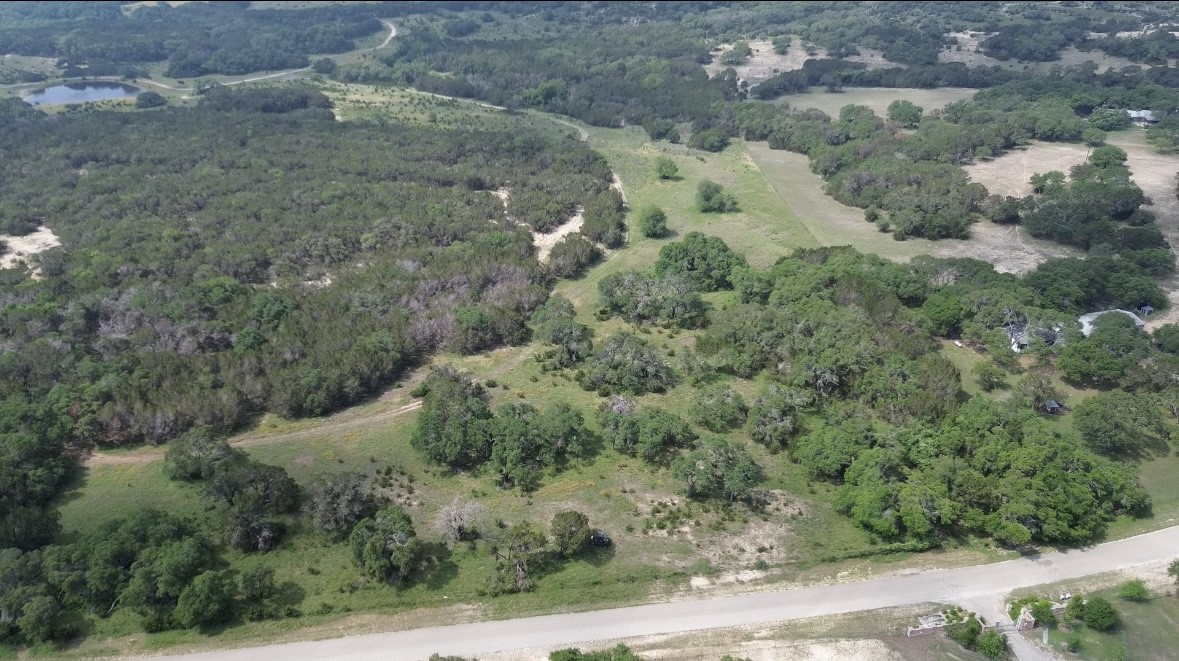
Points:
(194, 239)
(103, 38)
(244, 252)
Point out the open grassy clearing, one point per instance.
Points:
(367, 102)
(968, 53)
(835, 224)
(1010, 173)
(11, 64)
(763, 230)
(876, 98)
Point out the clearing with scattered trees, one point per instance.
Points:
(390, 342)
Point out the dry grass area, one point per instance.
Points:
(835, 224)
(1155, 174)
(971, 55)
(1010, 173)
(876, 98)
(764, 62)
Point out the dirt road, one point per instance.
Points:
(981, 587)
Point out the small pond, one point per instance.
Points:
(81, 93)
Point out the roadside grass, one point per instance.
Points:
(862, 635)
(876, 98)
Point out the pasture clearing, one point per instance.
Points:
(1155, 174)
(876, 98)
(969, 52)
(765, 62)
(1010, 173)
(764, 228)
(834, 224)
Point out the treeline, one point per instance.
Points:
(194, 38)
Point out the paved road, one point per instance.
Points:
(981, 587)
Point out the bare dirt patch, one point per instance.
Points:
(323, 280)
(545, 242)
(504, 195)
(20, 247)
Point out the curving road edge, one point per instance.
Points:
(981, 588)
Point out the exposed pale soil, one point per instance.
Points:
(20, 247)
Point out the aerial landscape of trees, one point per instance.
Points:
(242, 257)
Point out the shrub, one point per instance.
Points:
(652, 222)
(712, 198)
(627, 363)
(1134, 590)
(666, 169)
(150, 100)
(713, 140)
(705, 261)
(719, 408)
(571, 255)
(1100, 615)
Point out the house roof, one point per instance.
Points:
(1052, 404)
(1087, 320)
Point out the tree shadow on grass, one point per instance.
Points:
(438, 566)
(598, 556)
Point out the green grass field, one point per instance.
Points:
(876, 98)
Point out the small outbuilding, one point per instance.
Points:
(1146, 310)
(1052, 407)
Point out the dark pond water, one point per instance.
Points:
(81, 93)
